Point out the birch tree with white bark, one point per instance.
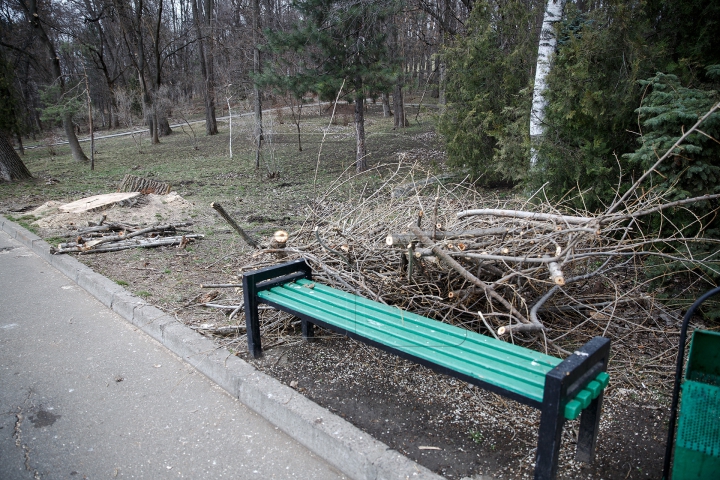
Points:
(546, 49)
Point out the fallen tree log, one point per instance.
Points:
(401, 240)
(247, 238)
(126, 244)
(132, 183)
(547, 217)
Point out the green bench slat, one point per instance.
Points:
(426, 332)
(586, 395)
(441, 332)
(433, 354)
(513, 368)
(516, 369)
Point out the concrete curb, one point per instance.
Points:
(347, 448)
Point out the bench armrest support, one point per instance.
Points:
(263, 279)
(561, 384)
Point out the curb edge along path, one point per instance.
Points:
(347, 448)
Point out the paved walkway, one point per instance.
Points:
(84, 394)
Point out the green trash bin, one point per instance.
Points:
(697, 445)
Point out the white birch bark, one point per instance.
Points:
(546, 49)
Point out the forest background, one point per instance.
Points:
(626, 79)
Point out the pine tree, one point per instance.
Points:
(338, 44)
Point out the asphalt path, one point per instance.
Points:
(84, 394)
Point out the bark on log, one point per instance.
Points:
(127, 236)
(402, 240)
(548, 217)
(222, 331)
(556, 275)
(131, 183)
(124, 245)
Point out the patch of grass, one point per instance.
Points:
(209, 174)
(122, 283)
(24, 221)
(143, 294)
(476, 436)
(55, 241)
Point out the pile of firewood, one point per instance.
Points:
(112, 237)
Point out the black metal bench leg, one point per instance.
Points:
(550, 434)
(308, 330)
(589, 426)
(252, 319)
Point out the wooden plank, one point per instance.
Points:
(96, 202)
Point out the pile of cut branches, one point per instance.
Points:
(112, 237)
(521, 267)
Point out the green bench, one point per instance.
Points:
(561, 389)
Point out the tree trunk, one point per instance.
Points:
(34, 18)
(205, 67)
(155, 126)
(20, 144)
(114, 117)
(387, 112)
(546, 48)
(163, 126)
(73, 141)
(210, 58)
(12, 167)
(442, 101)
(399, 105)
(256, 90)
(361, 153)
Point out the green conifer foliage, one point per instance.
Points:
(694, 170)
(333, 42)
(592, 95)
(489, 91)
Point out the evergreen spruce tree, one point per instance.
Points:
(336, 43)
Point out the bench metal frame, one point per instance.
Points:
(562, 383)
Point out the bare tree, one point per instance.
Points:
(256, 71)
(203, 27)
(36, 19)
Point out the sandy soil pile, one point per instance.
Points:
(143, 210)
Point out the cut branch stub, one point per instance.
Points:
(278, 242)
(556, 275)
